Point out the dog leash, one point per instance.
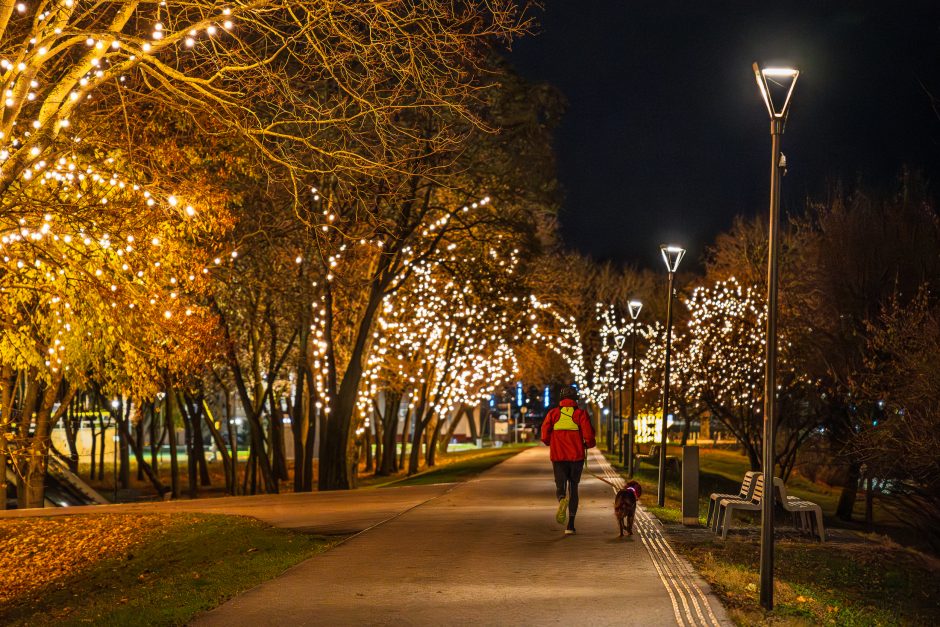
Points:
(604, 480)
(599, 478)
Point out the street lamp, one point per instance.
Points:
(612, 358)
(619, 340)
(672, 255)
(776, 88)
(635, 306)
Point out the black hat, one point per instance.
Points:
(569, 392)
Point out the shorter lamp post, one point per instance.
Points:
(612, 358)
(672, 255)
(619, 339)
(635, 306)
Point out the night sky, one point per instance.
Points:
(666, 138)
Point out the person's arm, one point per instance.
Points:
(587, 431)
(547, 428)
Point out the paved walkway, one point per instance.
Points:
(488, 552)
(328, 513)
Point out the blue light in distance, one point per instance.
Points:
(546, 397)
(519, 394)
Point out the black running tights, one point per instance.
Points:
(567, 476)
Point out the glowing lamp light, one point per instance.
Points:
(619, 339)
(635, 306)
(672, 256)
(776, 88)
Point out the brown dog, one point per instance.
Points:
(625, 505)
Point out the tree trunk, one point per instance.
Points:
(139, 437)
(276, 424)
(849, 492)
(103, 433)
(753, 456)
(367, 443)
(232, 440)
(124, 454)
(94, 448)
(336, 458)
(71, 435)
(156, 437)
(31, 489)
(169, 418)
(227, 469)
(405, 437)
(459, 415)
(32, 493)
(686, 428)
(142, 464)
(433, 442)
(199, 445)
(379, 440)
(472, 421)
(191, 465)
(7, 384)
(300, 423)
(336, 469)
(421, 423)
(309, 444)
(389, 463)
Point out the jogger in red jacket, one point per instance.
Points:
(567, 431)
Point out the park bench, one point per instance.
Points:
(652, 458)
(747, 488)
(805, 512)
(726, 507)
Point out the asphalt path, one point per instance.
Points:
(486, 552)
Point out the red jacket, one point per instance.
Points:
(573, 435)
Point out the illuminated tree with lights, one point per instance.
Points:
(294, 77)
(105, 287)
(562, 335)
(450, 340)
(373, 233)
(386, 109)
(726, 371)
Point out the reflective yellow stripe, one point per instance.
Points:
(566, 420)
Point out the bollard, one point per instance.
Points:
(690, 485)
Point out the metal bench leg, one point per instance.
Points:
(819, 524)
(716, 518)
(729, 514)
(711, 510)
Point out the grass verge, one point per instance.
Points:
(119, 569)
(861, 583)
(855, 579)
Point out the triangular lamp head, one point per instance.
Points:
(776, 87)
(635, 307)
(672, 255)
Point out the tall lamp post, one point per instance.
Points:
(672, 255)
(776, 87)
(635, 306)
(619, 340)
